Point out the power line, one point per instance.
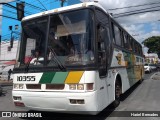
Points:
(29, 5)
(137, 10)
(42, 5)
(11, 6)
(9, 11)
(134, 6)
(33, 6)
(136, 13)
(8, 17)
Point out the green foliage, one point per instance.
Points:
(153, 43)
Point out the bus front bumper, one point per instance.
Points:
(83, 103)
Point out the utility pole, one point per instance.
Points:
(11, 41)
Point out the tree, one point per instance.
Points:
(153, 43)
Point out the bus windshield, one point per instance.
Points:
(70, 40)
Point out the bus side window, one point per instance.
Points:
(117, 35)
(102, 50)
(103, 42)
(125, 43)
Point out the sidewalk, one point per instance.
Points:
(6, 82)
(156, 76)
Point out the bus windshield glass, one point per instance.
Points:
(70, 40)
(71, 37)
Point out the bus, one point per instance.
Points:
(75, 59)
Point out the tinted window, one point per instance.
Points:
(117, 35)
(125, 42)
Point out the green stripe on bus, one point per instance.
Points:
(47, 77)
(59, 77)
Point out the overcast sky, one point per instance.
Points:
(142, 25)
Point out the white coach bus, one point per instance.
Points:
(75, 58)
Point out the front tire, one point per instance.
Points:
(118, 91)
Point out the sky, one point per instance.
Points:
(140, 26)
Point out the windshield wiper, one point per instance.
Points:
(55, 60)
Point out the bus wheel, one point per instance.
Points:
(117, 94)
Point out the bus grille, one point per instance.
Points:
(54, 86)
(33, 86)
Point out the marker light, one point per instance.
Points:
(16, 86)
(80, 87)
(21, 86)
(72, 87)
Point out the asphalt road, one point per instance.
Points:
(142, 97)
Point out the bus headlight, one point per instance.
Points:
(72, 87)
(16, 86)
(21, 86)
(87, 86)
(80, 87)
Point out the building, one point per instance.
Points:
(151, 58)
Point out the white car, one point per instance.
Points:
(147, 68)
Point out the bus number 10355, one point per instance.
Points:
(26, 78)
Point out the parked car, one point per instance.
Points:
(147, 68)
(158, 66)
(153, 67)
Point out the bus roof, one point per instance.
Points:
(85, 4)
